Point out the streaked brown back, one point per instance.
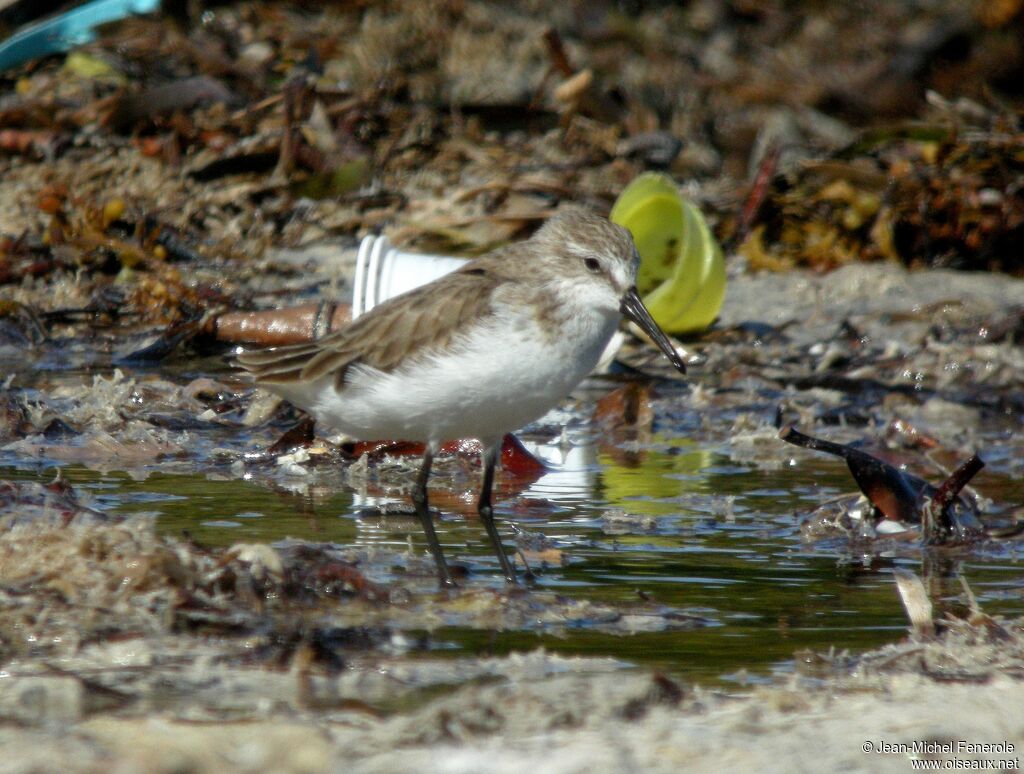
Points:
(425, 318)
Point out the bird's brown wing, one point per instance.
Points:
(426, 318)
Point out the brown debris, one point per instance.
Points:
(922, 195)
(278, 327)
(157, 101)
(945, 516)
(429, 120)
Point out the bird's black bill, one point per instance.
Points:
(633, 308)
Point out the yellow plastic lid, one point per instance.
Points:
(682, 269)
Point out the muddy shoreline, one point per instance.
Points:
(143, 671)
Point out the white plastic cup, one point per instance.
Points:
(383, 272)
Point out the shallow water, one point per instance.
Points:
(723, 543)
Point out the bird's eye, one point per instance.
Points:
(592, 264)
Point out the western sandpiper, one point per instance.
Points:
(474, 354)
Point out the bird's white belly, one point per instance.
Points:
(495, 379)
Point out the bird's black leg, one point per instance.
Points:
(487, 513)
(419, 499)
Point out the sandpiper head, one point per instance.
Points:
(600, 259)
(592, 250)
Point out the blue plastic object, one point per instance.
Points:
(70, 29)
